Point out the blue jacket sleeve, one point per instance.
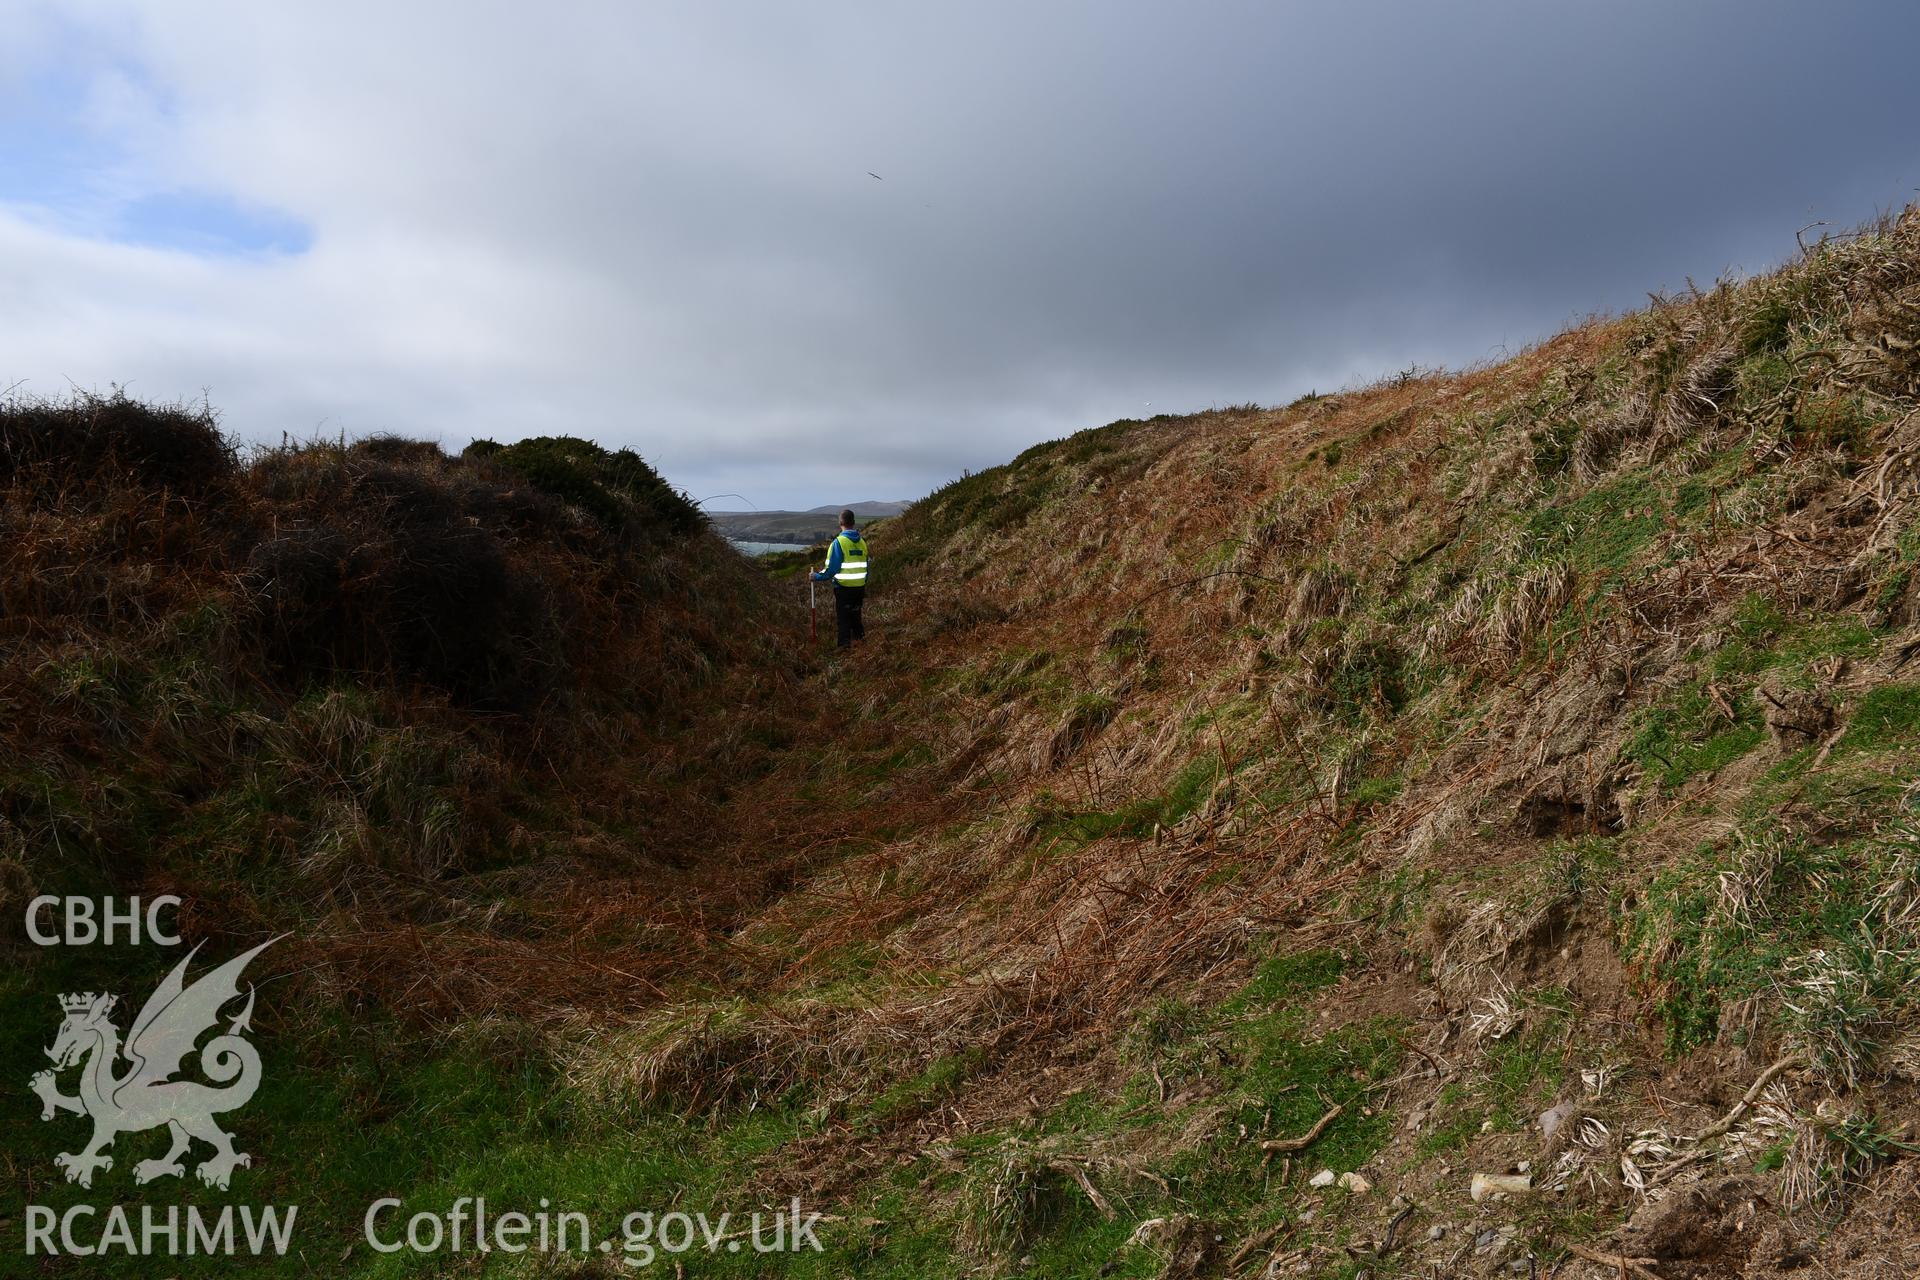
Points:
(833, 563)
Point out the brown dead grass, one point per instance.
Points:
(1378, 614)
(1041, 949)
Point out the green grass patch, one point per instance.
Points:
(1605, 527)
(1009, 1205)
(1715, 718)
(1884, 717)
(1691, 734)
(1288, 977)
(1764, 638)
(1052, 825)
(1464, 1117)
(942, 1078)
(1731, 922)
(1373, 679)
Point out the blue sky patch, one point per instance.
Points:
(49, 157)
(206, 223)
(56, 167)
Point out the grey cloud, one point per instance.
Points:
(654, 225)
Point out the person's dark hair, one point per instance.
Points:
(846, 518)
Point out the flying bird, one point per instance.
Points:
(876, 177)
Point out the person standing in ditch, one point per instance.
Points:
(847, 571)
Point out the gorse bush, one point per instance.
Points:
(617, 488)
(81, 446)
(173, 612)
(388, 556)
(482, 579)
(375, 567)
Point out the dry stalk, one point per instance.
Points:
(1308, 1138)
(1073, 1169)
(1638, 1266)
(1760, 1083)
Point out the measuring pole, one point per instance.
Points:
(813, 607)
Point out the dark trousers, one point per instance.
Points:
(847, 603)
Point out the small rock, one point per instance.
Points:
(1308, 1215)
(1355, 1183)
(1554, 1119)
(1486, 1126)
(1519, 1266)
(1324, 1178)
(1523, 1166)
(1436, 1232)
(1498, 1245)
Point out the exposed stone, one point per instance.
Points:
(1491, 1184)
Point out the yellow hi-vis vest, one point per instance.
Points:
(853, 561)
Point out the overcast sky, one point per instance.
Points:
(654, 225)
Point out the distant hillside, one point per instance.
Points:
(864, 510)
(802, 528)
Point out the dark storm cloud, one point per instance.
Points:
(658, 227)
